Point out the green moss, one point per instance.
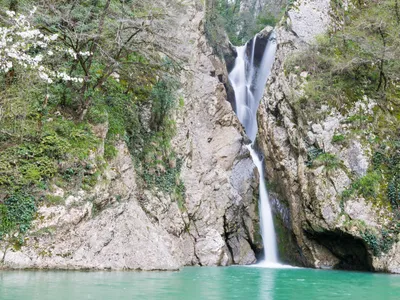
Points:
(287, 248)
(50, 230)
(54, 200)
(110, 151)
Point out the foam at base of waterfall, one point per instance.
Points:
(271, 265)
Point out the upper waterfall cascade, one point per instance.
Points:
(248, 80)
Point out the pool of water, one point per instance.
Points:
(198, 283)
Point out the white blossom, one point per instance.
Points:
(10, 13)
(15, 41)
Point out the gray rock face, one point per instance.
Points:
(73, 236)
(326, 230)
(309, 18)
(118, 225)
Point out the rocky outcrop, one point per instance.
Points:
(217, 170)
(120, 225)
(322, 230)
(104, 228)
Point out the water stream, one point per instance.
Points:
(248, 80)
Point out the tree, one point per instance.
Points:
(96, 40)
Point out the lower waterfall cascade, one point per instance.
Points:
(248, 80)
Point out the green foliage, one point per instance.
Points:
(110, 151)
(168, 180)
(54, 200)
(46, 136)
(240, 25)
(383, 242)
(368, 186)
(338, 139)
(312, 153)
(97, 114)
(317, 157)
(386, 160)
(40, 143)
(35, 161)
(329, 160)
(372, 241)
(163, 101)
(393, 192)
(16, 213)
(359, 59)
(23, 166)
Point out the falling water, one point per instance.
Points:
(248, 81)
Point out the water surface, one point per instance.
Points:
(198, 283)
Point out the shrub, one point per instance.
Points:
(383, 242)
(16, 213)
(329, 160)
(338, 138)
(312, 153)
(368, 186)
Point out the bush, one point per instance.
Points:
(317, 157)
(368, 186)
(16, 213)
(329, 160)
(338, 138)
(312, 153)
(383, 242)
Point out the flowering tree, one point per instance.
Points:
(19, 37)
(122, 39)
(77, 47)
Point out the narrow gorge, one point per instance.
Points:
(248, 78)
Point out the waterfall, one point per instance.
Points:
(266, 220)
(248, 80)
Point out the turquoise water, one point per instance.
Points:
(198, 283)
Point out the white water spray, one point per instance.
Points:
(248, 82)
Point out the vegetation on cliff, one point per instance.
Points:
(354, 69)
(102, 71)
(240, 20)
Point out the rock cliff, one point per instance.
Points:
(317, 227)
(121, 225)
